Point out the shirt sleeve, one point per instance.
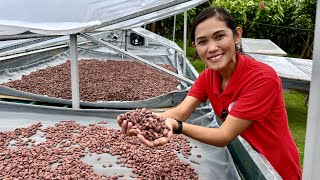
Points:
(198, 89)
(257, 99)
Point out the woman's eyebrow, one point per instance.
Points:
(218, 32)
(214, 34)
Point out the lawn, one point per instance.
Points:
(297, 115)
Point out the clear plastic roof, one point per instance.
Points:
(68, 17)
(261, 46)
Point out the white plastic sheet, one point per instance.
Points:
(61, 17)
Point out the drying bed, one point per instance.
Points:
(99, 80)
(90, 140)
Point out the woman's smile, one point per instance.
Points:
(215, 58)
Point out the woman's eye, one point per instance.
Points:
(201, 42)
(220, 36)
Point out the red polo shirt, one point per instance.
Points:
(254, 92)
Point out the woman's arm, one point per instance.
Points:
(227, 132)
(222, 136)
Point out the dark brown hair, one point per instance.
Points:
(218, 12)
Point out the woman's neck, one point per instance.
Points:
(227, 72)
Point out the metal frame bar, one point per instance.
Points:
(23, 44)
(25, 36)
(174, 28)
(184, 65)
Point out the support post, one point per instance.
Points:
(174, 28)
(311, 161)
(74, 72)
(184, 65)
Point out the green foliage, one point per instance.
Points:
(198, 65)
(191, 51)
(288, 23)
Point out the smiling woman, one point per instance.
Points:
(244, 93)
(214, 43)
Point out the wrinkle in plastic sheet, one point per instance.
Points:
(215, 162)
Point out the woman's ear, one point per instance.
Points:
(239, 35)
(193, 44)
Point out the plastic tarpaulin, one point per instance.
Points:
(69, 17)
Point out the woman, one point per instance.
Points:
(244, 93)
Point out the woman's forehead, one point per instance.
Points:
(209, 27)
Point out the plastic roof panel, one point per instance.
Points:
(61, 17)
(283, 67)
(261, 46)
(305, 65)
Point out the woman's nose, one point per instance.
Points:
(212, 46)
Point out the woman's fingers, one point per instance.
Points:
(124, 127)
(119, 121)
(134, 131)
(161, 141)
(145, 141)
(128, 128)
(158, 142)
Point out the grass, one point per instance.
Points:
(297, 115)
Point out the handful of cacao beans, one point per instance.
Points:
(151, 125)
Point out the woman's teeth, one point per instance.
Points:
(215, 58)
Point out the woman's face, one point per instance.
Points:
(215, 43)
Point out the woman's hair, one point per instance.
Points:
(219, 13)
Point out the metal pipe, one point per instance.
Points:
(126, 40)
(185, 42)
(25, 36)
(174, 27)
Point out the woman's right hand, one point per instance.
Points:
(125, 127)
